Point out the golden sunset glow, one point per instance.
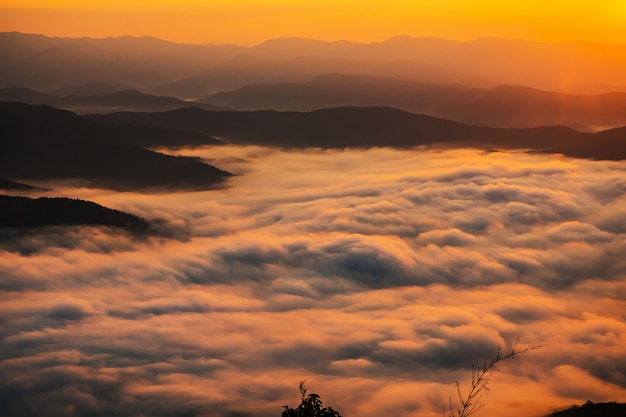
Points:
(264, 301)
(204, 203)
(252, 22)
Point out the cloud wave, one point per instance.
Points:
(377, 275)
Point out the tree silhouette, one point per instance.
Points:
(310, 406)
(469, 404)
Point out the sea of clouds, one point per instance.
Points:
(378, 276)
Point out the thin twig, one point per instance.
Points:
(469, 404)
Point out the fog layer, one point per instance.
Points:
(378, 276)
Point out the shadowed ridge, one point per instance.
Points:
(371, 126)
(127, 100)
(26, 95)
(130, 96)
(40, 142)
(608, 144)
(615, 133)
(88, 89)
(122, 100)
(44, 211)
(34, 122)
(504, 106)
(336, 90)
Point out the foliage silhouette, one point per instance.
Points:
(21, 212)
(470, 403)
(591, 409)
(311, 406)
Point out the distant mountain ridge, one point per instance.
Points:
(188, 71)
(123, 100)
(504, 106)
(375, 126)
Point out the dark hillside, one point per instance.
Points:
(28, 212)
(591, 409)
(40, 142)
(375, 126)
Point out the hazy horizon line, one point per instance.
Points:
(294, 37)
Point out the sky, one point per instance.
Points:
(248, 22)
(378, 276)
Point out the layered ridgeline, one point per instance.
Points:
(486, 82)
(375, 126)
(125, 100)
(192, 71)
(43, 143)
(503, 106)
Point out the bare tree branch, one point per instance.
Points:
(479, 385)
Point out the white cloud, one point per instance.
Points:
(376, 275)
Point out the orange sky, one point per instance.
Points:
(250, 22)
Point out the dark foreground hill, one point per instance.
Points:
(591, 409)
(375, 126)
(27, 212)
(41, 143)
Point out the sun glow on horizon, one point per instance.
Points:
(250, 22)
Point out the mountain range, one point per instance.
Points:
(503, 106)
(486, 82)
(123, 100)
(374, 126)
(192, 71)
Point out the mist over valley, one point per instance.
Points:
(194, 229)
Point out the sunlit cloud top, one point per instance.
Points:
(377, 275)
